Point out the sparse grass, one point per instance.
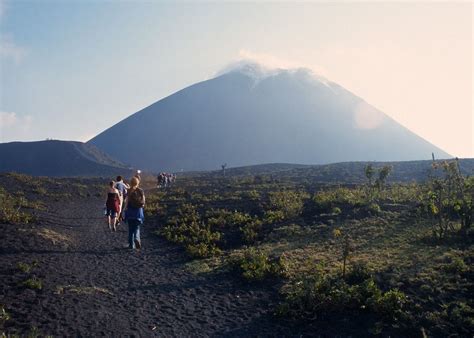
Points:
(53, 236)
(33, 283)
(39, 190)
(4, 315)
(82, 290)
(12, 208)
(26, 268)
(204, 266)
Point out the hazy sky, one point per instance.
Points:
(70, 69)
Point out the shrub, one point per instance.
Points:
(461, 316)
(23, 267)
(374, 209)
(252, 195)
(457, 265)
(289, 203)
(449, 200)
(319, 295)
(251, 230)
(188, 229)
(249, 226)
(223, 218)
(202, 250)
(272, 217)
(358, 273)
(327, 200)
(391, 304)
(33, 283)
(256, 265)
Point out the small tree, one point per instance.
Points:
(369, 173)
(450, 198)
(384, 172)
(346, 248)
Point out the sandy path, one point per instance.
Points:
(145, 293)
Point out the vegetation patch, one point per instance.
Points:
(256, 265)
(26, 268)
(53, 236)
(12, 209)
(395, 254)
(33, 283)
(188, 228)
(320, 296)
(4, 315)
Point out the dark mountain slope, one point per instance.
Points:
(250, 116)
(58, 158)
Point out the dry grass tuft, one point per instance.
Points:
(53, 236)
(81, 290)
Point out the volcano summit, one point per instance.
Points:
(252, 115)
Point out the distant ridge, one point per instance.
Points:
(344, 172)
(252, 115)
(58, 158)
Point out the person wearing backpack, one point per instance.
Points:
(134, 215)
(112, 205)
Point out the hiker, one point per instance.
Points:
(134, 215)
(137, 175)
(112, 205)
(160, 180)
(122, 189)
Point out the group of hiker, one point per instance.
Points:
(165, 179)
(125, 202)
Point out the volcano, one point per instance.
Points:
(252, 115)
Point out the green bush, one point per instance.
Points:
(288, 203)
(358, 273)
(319, 295)
(457, 265)
(33, 283)
(252, 195)
(374, 209)
(257, 265)
(461, 316)
(250, 227)
(223, 218)
(272, 217)
(251, 230)
(202, 250)
(391, 304)
(24, 267)
(188, 229)
(327, 200)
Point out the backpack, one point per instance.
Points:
(136, 198)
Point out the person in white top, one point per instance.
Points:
(122, 189)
